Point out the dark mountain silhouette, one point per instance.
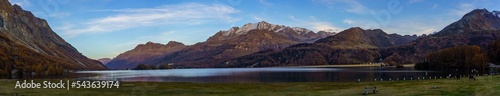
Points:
(26, 40)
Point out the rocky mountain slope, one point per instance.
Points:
(104, 61)
(145, 53)
(263, 45)
(353, 45)
(225, 45)
(27, 40)
(478, 27)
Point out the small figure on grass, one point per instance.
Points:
(472, 77)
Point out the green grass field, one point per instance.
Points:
(483, 86)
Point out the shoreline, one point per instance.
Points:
(348, 65)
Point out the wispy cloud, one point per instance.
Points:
(22, 3)
(190, 14)
(322, 26)
(265, 3)
(462, 9)
(417, 25)
(258, 18)
(414, 1)
(365, 24)
(59, 15)
(353, 6)
(315, 24)
(406, 26)
(293, 18)
(347, 21)
(434, 6)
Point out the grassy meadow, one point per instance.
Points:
(482, 86)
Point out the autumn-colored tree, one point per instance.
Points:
(460, 57)
(38, 70)
(50, 71)
(59, 70)
(392, 59)
(494, 52)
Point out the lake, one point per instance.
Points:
(274, 74)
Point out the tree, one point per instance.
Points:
(165, 66)
(494, 52)
(2, 73)
(140, 67)
(50, 71)
(460, 57)
(38, 70)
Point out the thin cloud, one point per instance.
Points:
(414, 1)
(315, 24)
(190, 14)
(59, 15)
(23, 3)
(265, 3)
(365, 24)
(322, 26)
(258, 18)
(418, 25)
(347, 21)
(434, 6)
(463, 8)
(353, 6)
(293, 18)
(356, 7)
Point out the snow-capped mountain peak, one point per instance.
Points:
(300, 34)
(262, 25)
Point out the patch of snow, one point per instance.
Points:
(282, 28)
(329, 30)
(247, 27)
(254, 26)
(300, 30)
(228, 32)
(496, 13)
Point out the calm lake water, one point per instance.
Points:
(275, 74)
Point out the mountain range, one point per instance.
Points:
(478, 27)
(222, 46)
(263, 45)
(26, 40)
(354, 45)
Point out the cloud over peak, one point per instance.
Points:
(189, 14)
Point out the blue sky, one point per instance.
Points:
(106, 28)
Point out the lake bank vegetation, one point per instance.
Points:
(463, 58)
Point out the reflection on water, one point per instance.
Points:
(263, 74)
